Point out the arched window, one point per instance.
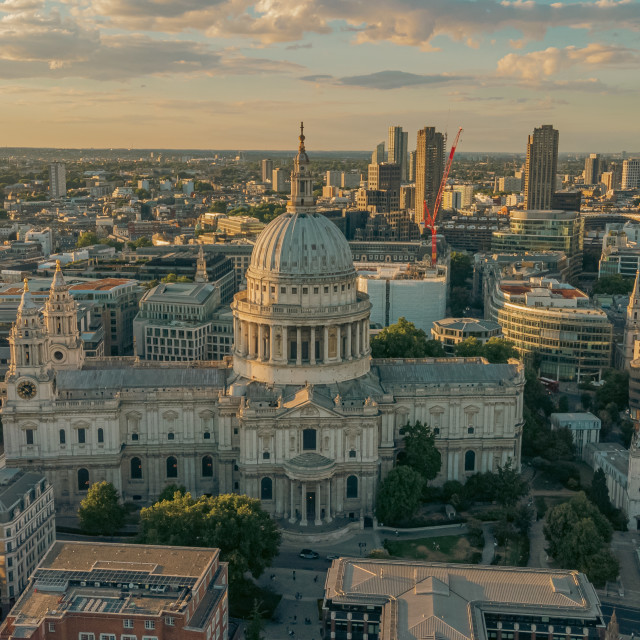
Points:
(100, 435)
(171, 436)
(136, 469)
(470, 461)
(309, 440)
(83, 479)
(172, 467)
(63, 436)
(207, 467)
(352, 487)
(266, 489)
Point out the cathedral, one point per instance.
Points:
(301, 417)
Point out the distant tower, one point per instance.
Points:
(592, 169)
(541, 168)
(631, 325)
(201, 269)
(378, 155)
(61, 321)
(430, 159)
(57, 180)
(631, 174)
(267, 170)
(412, 166)
(398, 151)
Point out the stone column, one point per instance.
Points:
(303, 506)
(325, 358)
(318, 521)
(271, 344)
(251, 332)
(312, 346)
(285, 344)
(329, 518)
(299, 346)
(349, 330)
(338, 343)
(358, 352)
(261, 350)
(292, 506)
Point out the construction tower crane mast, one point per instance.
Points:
(430, 216)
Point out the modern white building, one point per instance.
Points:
(300, 417)
(631, 173)
(453, 331)
(584, 427)
(620, 250)
(27, 528)
(44, 237)
(416, 292)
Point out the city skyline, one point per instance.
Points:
(105, 73)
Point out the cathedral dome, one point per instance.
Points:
(300, 245)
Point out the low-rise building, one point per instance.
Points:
(402, 290)
(369, 599)
(620, 250)
(240, 226)
(27, 528)
(584, 427)
(556, 320)
(453, 331)
(100, 591)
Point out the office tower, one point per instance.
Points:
(398, 150)
(592, 169)
(430, 160)
(267, 170)
(540, 168)
(412, 166)
(57, 180)
(631, 174)
(278, 180)
(385, 178)
(378, 155)
(333, 178)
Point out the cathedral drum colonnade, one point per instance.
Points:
(303, 418)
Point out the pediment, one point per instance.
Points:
(308, 409)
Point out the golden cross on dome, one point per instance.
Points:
(26, 284)
(58, 265)
(301, 138)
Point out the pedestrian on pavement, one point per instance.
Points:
(293, 575)
(315, 579)
(396, 532)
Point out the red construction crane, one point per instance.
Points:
(430, 218)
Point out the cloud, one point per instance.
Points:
(403, 22)
(384, 80)
(537, 65)
(294, 47)
(38, 44)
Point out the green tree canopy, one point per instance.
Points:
(398, 495)
(101, 513)
(219, 206)
(246, 535)
(420, 452)
(170, 490)
(404, 340)
(87, 239)
(495, 350)
(614, 284)
(615, 389)
(461, 268)
(141, 242)
(510, 486)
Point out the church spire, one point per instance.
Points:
(301, 137)
(201, 269)
(26, 303)
(58, 279)
(302, 200)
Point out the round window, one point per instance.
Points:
(58, 355)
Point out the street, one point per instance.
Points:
(628, 617)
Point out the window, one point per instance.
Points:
(135, 437)
(436, 431)
(108, 636)
(29, 435)
(82, 436)
(149, 624)
(266, 455)
(470, 430)
(352, 453)
(126, 637)
(206, 435)
(170, 621)
(352, 487)
(207, 467)
(63, 436)
(172, 467)
(470, 461)
(83, 479)
(149, 637)
(171, 436)
(100, 435)
(309, 440)
(266, 489)
(86, 636)
(136, 469)
(127, 623)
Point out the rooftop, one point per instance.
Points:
(447, 601)
(180, 292)
(15, 484)
(105, 284)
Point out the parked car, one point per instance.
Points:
(333, 556)
(309, 554)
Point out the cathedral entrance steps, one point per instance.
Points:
(336, 530)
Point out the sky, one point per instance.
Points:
(240, 74)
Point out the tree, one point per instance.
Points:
(461, 268)
(101, 513)
(510, 486)
(434, 349)
(615, 389)
(599, 492)
(563, 404)
(143, 194)
(141, 242)
(398, 495)
(400, 340)
(87, 239)
(459, 301)
(613, 285)
(420, 452)
(246, 535)
(585, 400)
(254, 628)
(219, 206)
(169, 491)
(499, 350)
(469, 348)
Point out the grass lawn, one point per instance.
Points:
(442, 549)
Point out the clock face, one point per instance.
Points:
(27, 389)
